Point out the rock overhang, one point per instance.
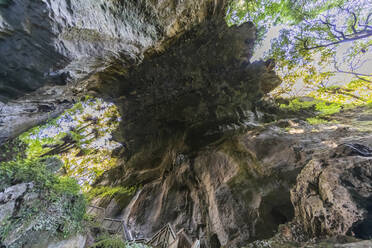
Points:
(203, 84)
(176, 69)
(58, 44)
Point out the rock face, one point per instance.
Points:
(11, 196)
(333, 193)
(196, 76)
(201, 86)
(239, 190)
(188, 95)
(34, 210)
(58, 43)
(17, 116)
(50, 41)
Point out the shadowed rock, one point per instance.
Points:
(56, 44)
(200, 87)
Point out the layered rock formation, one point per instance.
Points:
(51, 41)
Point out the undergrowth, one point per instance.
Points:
(107, 241)
(321, 109)
(105, 191)
(115, 241)
(54, 204)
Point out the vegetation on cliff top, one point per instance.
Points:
(322, 46)
(81, 138)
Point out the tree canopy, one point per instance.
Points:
(80, 137)
(319, 40)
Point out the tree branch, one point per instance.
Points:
(358, 75)
(343, 92)
(334, 27)
(368, 34)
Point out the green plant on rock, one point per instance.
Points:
(105, 191)
(107, 241)
(297, 105)
(66, 185)
(80, 137)
(115, 241)
(5, 228)
(55, 204)
(326, 108)
(12, 150)
(14, 172)
(316, 121)
(320, 107)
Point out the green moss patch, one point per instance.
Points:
(322, 108)
(114, 241)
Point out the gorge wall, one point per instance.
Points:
(48, 47)
(294, 185)
(196, 145)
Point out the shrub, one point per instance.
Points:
(297, 105)
(106, 241)
(322, 107)
(21, 171)
(316, 121)
(105, 191)
(59, 208)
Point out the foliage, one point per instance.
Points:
(6, 227)
(106, 241)
(326, 108)
(296, 105)
(66, 185)
(58, 209)
(12, 150)
(14, 172)
(316, 120)
(105, 191)
(357, 92)
(114, 241)
(319, 107)
(263, 13)
(81, 138)
(318, 40)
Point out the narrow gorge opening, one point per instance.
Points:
(193, 124)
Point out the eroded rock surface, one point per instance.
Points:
(59, 43)
(238, 190)
(187, 93)
(17, 116)
(201, 86)
(50, 41)
(333, 193)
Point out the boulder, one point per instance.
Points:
(333, 193)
